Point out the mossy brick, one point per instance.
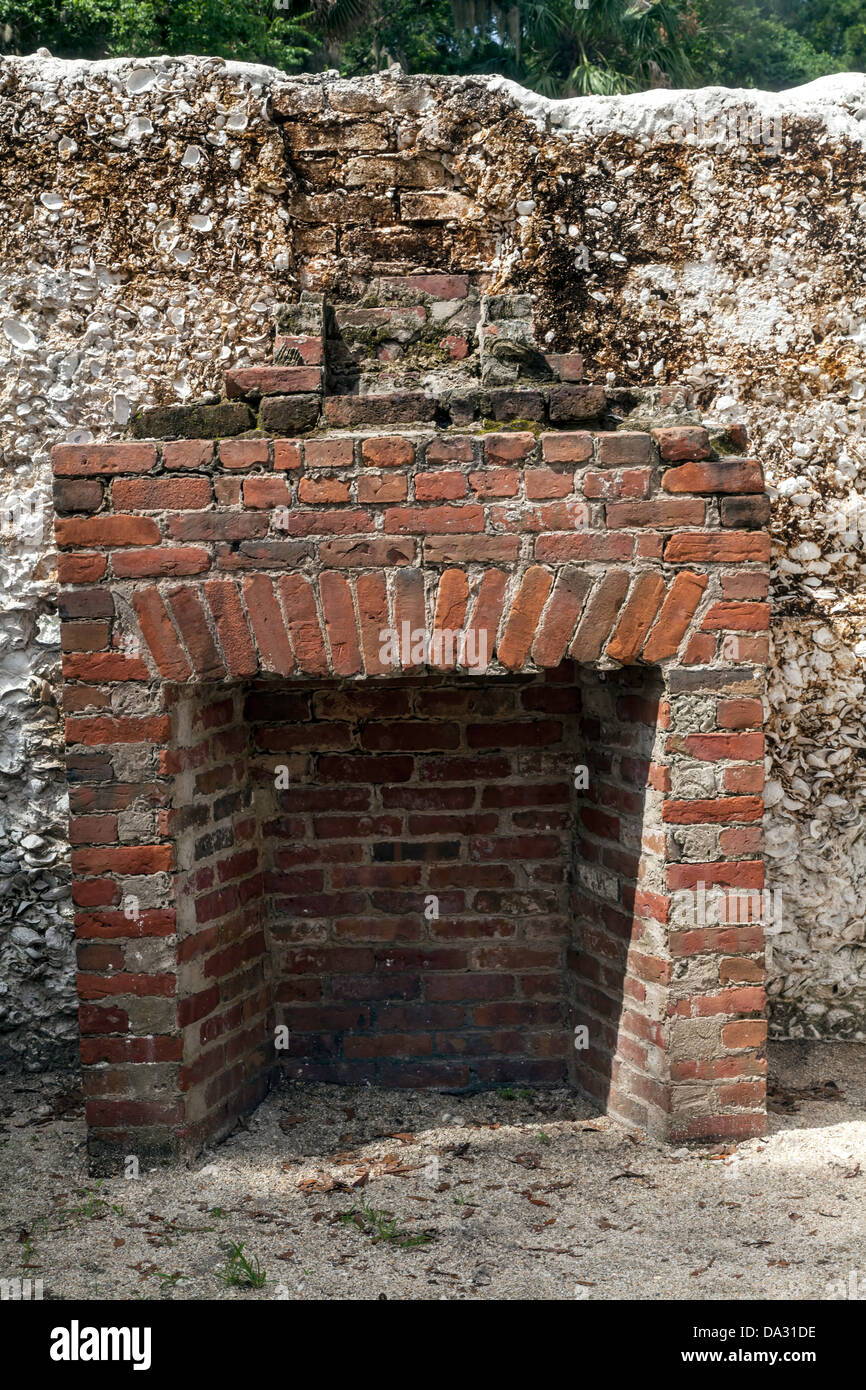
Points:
(290, 414)
(193, 421)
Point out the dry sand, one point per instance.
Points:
(338, 1193)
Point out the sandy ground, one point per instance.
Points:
(340, 1193)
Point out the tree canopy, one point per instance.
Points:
(556, 47)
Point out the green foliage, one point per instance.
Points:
(249, 30)
(242, 1272)
(558, 47)
(551, 45)
(380, 1225)
(744, 43)
(835, 27)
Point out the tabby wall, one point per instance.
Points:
(155, 211)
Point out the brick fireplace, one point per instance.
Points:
(313, 830)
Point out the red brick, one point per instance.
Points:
(744, 779)
(746, 1032)
(624, 447)
(271, 381)
(682, 442)
(742, 841)
(102, 1019)
(437, 286)
(366, 552)
(87, 460)
(106, 530)
(150, 1050)
(547, 482)
(726, 475)
(103, 730)
(118, 1114)
(266, 492)
(700, 649)
(709, 747)
(409, 602)
(389, 451)
(481, 632)
(467, 550)
(243, 453)
(123, 859)
(382, 487)
(450, 449)
(566, 448)
(677, 610)
(92, 830)
(98, 892)
(159, 634)
(103, 666)
(160, 494)
(317, 491)
(745, 584)
(439, 487)
(739, 714)
(720, 810)
(450, 612)
(108, 925)
(434, 520)
(737, 617)
(495, 482)
(636, 618)
(660, 513)
(746, 649)
(568, 366)
(556, 630)
(599, 615)
(586, 547)
(522, 621)
(287, 454)
(339, 612)
(319, 522)
(188, 453)
(741, 970)
(219, 525)
(372, 600)
(161, 561)
(86, 636)
(80, 569)
(186, 606)
(615, 483)
(507, 446)
(734, 548)
(266, 622)
(744, 873)
(232, 628)
(302, 618)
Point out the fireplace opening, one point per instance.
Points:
(419, 881)
(297, 848)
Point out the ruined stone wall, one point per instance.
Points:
(153, 212)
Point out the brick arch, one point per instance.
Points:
(334, 625)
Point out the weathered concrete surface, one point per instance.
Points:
(153, 212)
